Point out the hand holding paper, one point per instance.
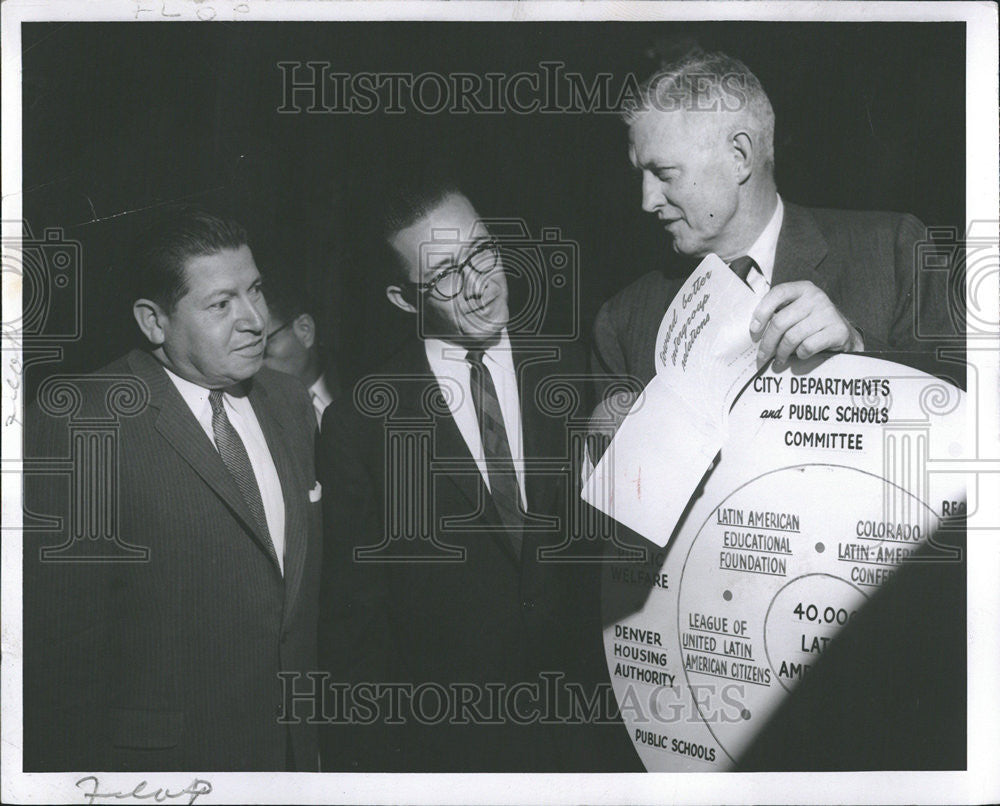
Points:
(799, 319)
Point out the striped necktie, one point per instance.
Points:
(234, 456)
(496, 448)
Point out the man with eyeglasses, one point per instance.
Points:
(293, 343)
(435, 593)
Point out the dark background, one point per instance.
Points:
(121, 117)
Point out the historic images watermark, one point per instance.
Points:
(549, 699)
(315, 87)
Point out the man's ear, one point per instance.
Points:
(152, 320)
(304, 328)
(398, 298)
(743, 153)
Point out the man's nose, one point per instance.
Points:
(253, 315)
(476, 283)
(652, 194)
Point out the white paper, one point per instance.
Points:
(704, 358)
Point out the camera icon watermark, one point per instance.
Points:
(951, 270)
(537, 277)
(47, 270)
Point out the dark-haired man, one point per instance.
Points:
(157, 643)
(439, 605)
(293, 344)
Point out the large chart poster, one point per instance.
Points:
(836, 474)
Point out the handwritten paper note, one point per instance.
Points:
(704, 358)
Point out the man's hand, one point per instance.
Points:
(799, 318)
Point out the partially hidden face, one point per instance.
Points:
(689, 179)
(215, 335)
(446, 237)
(285, 350)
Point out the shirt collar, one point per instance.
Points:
(195, 396)
(319, 391)
(442, 354)
(764, 248)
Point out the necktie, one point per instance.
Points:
(234, 456)
(742, 266)
(499, 465)
(746, 268)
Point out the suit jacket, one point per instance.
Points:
(167, 657)
(866, 262)
(456, 610)
(869, 265)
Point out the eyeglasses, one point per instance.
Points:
(279, 329)
(450, 281)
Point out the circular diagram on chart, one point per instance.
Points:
(773, 574)
(811, 509)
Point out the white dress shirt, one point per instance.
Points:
(243, 419)
(321, 398)
(451, 367)
(764, 249)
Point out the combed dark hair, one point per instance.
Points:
(160, 253)
(708, 82)
(283, 260)
(410, 201)
(407, 197)
(287, 296)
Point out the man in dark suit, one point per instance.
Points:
(702, 136)
(170, 593)
(453, 598)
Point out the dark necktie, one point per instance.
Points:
(742, 266)
(234, 456)
(496, 448)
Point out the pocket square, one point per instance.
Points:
(316, 493)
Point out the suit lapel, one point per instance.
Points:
(178, 426)
(419, 400)
(449, 443)
(292, 492)
(801, 248)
